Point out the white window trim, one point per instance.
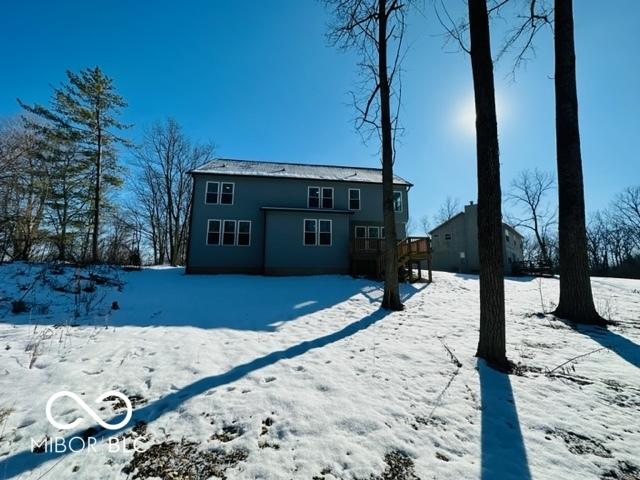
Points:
(235, 233)
(233, 193)
(330, 232)
(401, 201)
(359, 199)
(238, 233)
(319, 197)
(206, 191)
(333, 197)
(304, 231)
(206, 241)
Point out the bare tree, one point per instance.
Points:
(374, 28)
(626, 209)
(576, 299)
(449, 209)
(528, 192)
(163, 187)
(425, 224)
(492, 343)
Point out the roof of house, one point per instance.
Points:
(462, 214)
(335, 173)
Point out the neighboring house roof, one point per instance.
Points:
(462, 213)
(335, 173)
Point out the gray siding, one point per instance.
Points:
(463, 229)
(278, 255)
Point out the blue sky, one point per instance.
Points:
(259, 80)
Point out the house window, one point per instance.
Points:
(244, 233)
(327, 197)
(213, 232)
(229, 232)
(313, 197)
(361, 232)
(226, 196)
(354, 199)
(397, 201)
(310, 232)
(447, 236)
(374, 232)
(211, 194)
(324, 235)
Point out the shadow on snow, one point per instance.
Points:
(503, 451)
(26, 460)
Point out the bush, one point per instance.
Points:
(19, 306)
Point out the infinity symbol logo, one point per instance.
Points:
(89, 410)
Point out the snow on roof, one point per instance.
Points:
(227, 166)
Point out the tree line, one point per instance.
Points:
(67, 195)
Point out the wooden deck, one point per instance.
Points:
(367, 257)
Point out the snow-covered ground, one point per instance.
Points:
(304, 377)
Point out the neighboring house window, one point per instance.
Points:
(506, 234)
(313, 197)
(361, 232)
(324, 235)
(447, 236)
(229, 232)
(226, 196)
(244, 233)
(213, 232)
(211, 194)
(397, 201)
(354, 199)
(436, 235)
(310, 232)
(327, 197)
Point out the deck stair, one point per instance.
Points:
(367, 257)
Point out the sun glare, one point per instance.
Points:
(465, 116)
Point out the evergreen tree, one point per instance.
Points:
(84, 112)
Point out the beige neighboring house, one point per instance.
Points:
(455, 243)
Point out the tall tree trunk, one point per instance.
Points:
(576, 299)
(491, 346)
(391, 299)
(95, 254)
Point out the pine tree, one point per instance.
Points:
(84, 112)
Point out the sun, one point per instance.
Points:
(465, 114)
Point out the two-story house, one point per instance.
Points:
(455, 243)
(285, 218)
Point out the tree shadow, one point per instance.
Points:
(503, 451)
(166, 297)
(621, 346)
(26, 460)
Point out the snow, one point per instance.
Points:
(341, 382)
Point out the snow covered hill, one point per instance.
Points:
(304, 377)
